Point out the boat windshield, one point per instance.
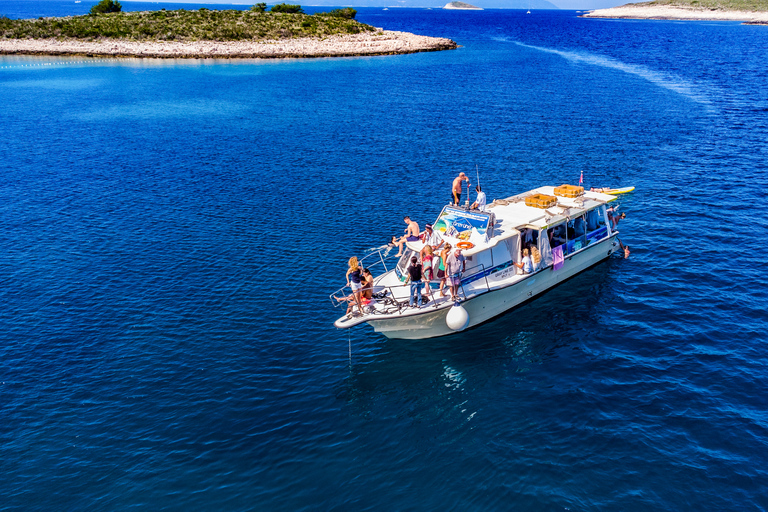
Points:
(404, 262)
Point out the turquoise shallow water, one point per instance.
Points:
(172, 230)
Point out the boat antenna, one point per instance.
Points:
(477, 170)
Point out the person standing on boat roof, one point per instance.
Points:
(479, 203)
(455, 265)
(411, 235)
(456, 191)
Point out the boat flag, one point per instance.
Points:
(581, 178)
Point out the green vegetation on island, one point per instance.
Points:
(106, 6)
(282, 22)
(720, 5)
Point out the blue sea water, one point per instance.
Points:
(171, 231)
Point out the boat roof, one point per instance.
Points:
(512, 212)
(509, 215)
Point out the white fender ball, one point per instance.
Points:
(457, 318)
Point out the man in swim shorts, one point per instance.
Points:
(456, 190)
(411, 235)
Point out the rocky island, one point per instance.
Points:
(282, 33)
(461, 6)
(751, 12)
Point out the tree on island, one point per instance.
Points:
(287, 8)
(347, 13)
(106, 6)
(261, 7)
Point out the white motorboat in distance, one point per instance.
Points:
(570, 227)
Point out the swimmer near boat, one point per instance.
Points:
(516, 249)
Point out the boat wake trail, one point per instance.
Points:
(666, 81)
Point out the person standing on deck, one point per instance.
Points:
(456, 191)
(455, 265)
(354, 274)
(414, 276)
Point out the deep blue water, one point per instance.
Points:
(171, 231)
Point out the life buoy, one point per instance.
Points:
(465, 245)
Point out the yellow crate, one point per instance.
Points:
(569, 191)
(540, 201)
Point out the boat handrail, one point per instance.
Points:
(481, 268)
(382, 259)
(339, 297)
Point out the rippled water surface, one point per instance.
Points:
(171, 231)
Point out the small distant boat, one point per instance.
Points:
(529, 12)
(385, 9)
(77, 1)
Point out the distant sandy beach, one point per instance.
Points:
(370, 43)
(652, 12)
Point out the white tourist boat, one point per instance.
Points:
(570, 227)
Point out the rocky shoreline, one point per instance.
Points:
(380, 42)
(664, 12)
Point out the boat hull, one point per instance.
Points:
(488, 305)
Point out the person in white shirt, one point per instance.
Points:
(431, 237)
(527, 265)
(479, 203)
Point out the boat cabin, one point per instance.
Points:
(547, 218)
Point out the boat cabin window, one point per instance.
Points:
(596, 227)
(593, 220)
(529, 237)
(557, 235)
(578, 232)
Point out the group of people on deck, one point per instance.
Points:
(436, 260)
(447, 265)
